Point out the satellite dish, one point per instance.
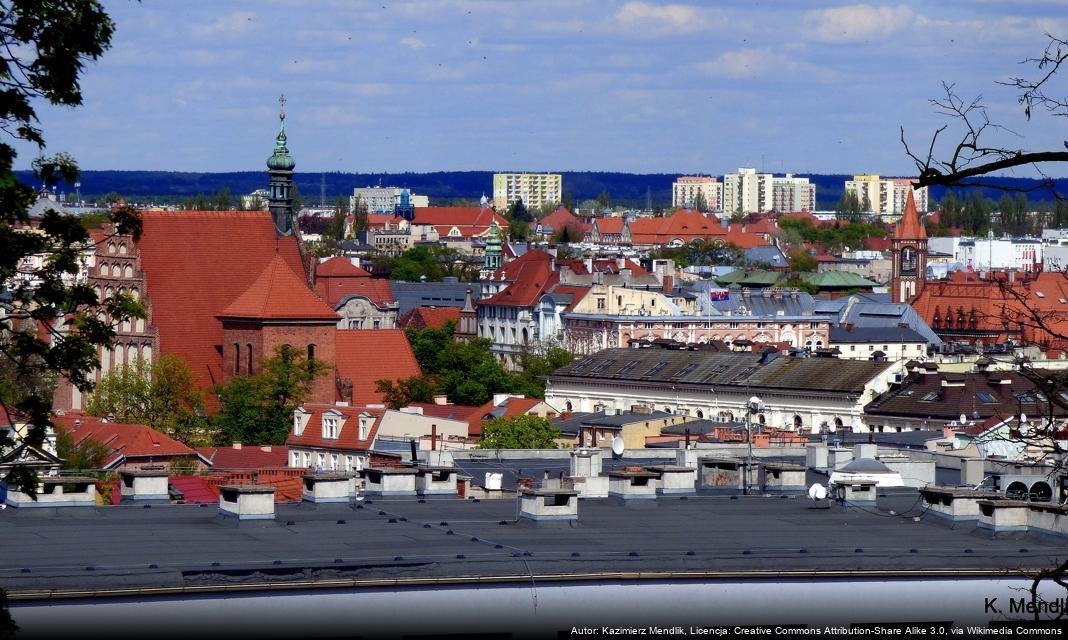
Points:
(963, 418)
(617, 447)
(817, 492)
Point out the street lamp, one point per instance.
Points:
(753, 407)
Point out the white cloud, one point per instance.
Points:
(228, 25)
(413, 43)
(858, 23)
(752, 62)
(673, 18)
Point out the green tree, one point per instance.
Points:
(518, 211)
(849, 207)
(700, 203)
(223, 199)
(701, 251)
(298, 202)
(336, 229)
(87, 454)
(466, 372)
(405, 391)
(566, 235)
(258, 409)
(46, 45)
(801, 260)
(359, 217)
(417, 263)
(604, 200)
(519, 432)
(518, 230)
(534, 369)
(160, 394)
(568, 202)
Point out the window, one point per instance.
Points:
(365, 426)
(656, 369)
(298, 427)
(307, 459)
(248, 359)
(852, 347)
(330, 428)
(930, 396)
(237, 358)
(333, 462)
(322, 459)
(600, 303)
(987, 398)
(311, 352)
(627, 367)
(377, 324)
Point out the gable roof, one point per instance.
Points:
(349, 433)
(123, 440)
(531, 275)
(338, 267)
(429, 317)
(198, 262)
(335, 290)
(278, 293)
(367, 355)
(247, 457)
(469, 221)
(684, 225)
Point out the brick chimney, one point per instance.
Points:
(236, 445)
(669, 284)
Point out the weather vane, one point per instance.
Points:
(282, 106)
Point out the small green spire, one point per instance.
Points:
(280, 160)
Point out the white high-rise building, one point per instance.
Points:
(747, 191)
(885, 195)
(384, 199)
(685, 189)
(534, 189)
(790, 194)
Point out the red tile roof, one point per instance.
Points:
(368, 355)
(684, 225)
(469, 221)
(744, 239)
(123, 440)
(429, 317)
(338, 267)
(198, 262)
(278, 293)
(475, 416)
(348, 435)
(531, 275)
(247, 457)
(195, 489)
(910, 226)
(335, 289)
(609, 225)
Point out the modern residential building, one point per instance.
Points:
(885, 195)
(685, 189)
(534, 189)
(992, 254)
(878, 343)
(384, 199)
(791, 193)
(747, 191)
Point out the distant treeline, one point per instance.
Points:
(625, 189)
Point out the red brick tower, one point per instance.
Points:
(909, 250)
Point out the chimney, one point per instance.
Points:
(236, 445)
(441, 400)
(433, 437)
(588, 262)
(669, 284)
(266, 449)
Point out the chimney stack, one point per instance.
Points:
(669, 284)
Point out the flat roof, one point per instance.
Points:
(449, 540)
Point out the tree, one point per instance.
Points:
(405, 391)
(535, 365)
(222, 199)
(566, 235)
(298, 202)
(519, 432)
(466, 372)
(336, 229)
(849, 207)
(87, 454)
(160, 394)
(46, 45)
(801, 260)
(359, 217)
(604, 200)
(258, 409)
(518, 230)
(518, 211)
(700, 203)
(567, 201)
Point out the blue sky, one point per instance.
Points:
(430, 85)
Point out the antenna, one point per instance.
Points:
(617, 447)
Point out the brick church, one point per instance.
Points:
(223, 289)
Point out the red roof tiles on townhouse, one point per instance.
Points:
(429, 317)
(531, 275)
(367, 355)
(339, 267)
(468, 221)
(349, 428)
(684, 225)
(609, 225)
(247, 457)
(475, 416)
(744, 239)
(577, 293)
(197, 263)
(278, 293)
(335, 289)
(563, 218)
(123, 440)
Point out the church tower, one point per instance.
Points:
(493, 252)
(280, 169)
(909, 255)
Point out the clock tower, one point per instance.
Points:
(909, 250)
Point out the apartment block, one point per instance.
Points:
(534, 189)
(685, 189)
(384, 199)
(747, 191)
(885, 195)
(792, 194)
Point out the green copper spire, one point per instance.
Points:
(280, 160)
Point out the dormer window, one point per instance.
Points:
(330, 428)
(365, 426)
(298, 424)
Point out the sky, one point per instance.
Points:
(547, 85)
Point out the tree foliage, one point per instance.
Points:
(161, 394)
(432, 263)
(519, 432)
(801, 260)
(850, 208)
(85, 455)
(840, 236)
(701, 252)
(258, 409)
(46, 45)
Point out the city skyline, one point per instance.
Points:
(548, 86)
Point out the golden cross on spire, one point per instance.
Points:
(282, 106)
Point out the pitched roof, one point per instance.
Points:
(531, 275)
(278, 293)
(247, 457)
(873, 334)
(684, 225)
(348, 438)
(469, 221)
(910, 226)
(334, 290)
(610, 224)
(367, 355)
(122, 440)
(339, 266)
(429, 317)
(196, 263)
